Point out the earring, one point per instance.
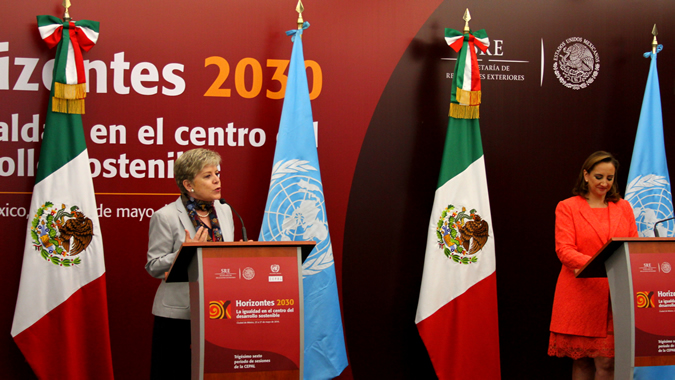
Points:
(192, 190)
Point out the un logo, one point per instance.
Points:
(296, 212)
(652, 201)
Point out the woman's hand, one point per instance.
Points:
(200, 235)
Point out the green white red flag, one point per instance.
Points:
(61, 316)
(457, 309)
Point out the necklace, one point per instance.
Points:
(202, 216)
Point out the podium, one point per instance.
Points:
(246, 308)
(642, 289)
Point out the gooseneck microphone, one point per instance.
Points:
(243, 229)
(656, 232)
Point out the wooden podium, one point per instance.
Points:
(642, 289)
(246, 308)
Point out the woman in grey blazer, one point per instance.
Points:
(195, 216)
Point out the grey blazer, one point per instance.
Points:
(166, 234)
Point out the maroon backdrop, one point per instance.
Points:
(382, 70)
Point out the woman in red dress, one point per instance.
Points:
(581, 323)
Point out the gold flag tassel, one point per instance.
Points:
(459, 111)
(69, 98)
(471, 98)
(468, 107)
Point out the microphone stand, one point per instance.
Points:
(243, 229)
(656, 232)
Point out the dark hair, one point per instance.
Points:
(581, 187)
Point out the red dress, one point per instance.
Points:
(581, 322)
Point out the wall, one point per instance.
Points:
(383, 75)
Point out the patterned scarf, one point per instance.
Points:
(193, 205)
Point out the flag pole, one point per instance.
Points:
(66, 15)
(300, 8)
(654, 42)
(466, 18)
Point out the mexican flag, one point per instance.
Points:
(457, 309)
(61, 316)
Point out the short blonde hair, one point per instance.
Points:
(190, 163)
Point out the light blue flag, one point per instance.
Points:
(296, 211)
(648, 189)
(666, 372)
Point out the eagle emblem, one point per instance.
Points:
(61, 234)
(461, 235)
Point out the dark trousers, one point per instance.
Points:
(171, 355)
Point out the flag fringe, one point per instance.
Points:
(75, 106)
(70, 91)
(459, 111)
(471, 98)
(69, 98)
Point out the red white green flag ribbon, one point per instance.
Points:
(466, 92)
(70, 38)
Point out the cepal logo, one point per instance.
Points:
(576, 63)
(220, 310)
(644, 300)
(461, 235)
(275, 268)
(61, 234)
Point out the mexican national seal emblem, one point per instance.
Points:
(576, 63)
(461, 235)
(61, 234)
(248, 273)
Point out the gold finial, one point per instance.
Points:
(467, 17)
(654, 42)
(66, 15)
(300, 8)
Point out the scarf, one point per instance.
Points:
(195, 205)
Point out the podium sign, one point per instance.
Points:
(642, 289)
(654, 304)
(253, 313)
(246, 307)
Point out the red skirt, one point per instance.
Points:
(577, 347)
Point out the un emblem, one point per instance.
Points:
(296, 212)
(652, 201)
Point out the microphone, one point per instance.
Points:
(656, 232)
(243, 229)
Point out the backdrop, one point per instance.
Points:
(168, 76)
